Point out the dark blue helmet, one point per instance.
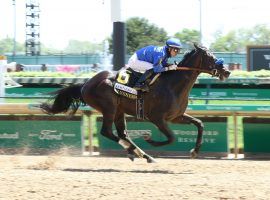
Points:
(174, 42)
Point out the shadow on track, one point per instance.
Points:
(125, 171)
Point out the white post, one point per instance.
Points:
(116, 11)
(201, 22)
(14, 27)
(119, 36)
(3, 63)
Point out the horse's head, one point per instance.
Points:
(203, 60)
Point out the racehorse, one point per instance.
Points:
(166, 101)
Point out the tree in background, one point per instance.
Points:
(73, 47)
(188, 37)
(80, 47)
(6, 46)
(49, 50)
(237, 40)
(226, 43)
(141, 33)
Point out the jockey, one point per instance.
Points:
(153, 59)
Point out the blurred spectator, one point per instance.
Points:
(19, 67)
(67, 68)
(235, 66)
(14, 67)
(44, 67)
(95, 66)
(11, 67)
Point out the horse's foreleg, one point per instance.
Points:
(163, 127)
(185, 118)
(126, 142)
(132, 149)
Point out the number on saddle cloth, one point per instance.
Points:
(127, 77)
(123, 77)
(124, 83)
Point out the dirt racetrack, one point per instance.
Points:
(70, 178)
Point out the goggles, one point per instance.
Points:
(176, 50)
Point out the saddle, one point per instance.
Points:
(123, 85)
(125, 81)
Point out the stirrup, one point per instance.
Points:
(143, 88)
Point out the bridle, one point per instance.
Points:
(212, 72)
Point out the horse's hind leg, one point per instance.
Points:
(106, 129)
(126, 142)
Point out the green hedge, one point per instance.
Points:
(236, 74)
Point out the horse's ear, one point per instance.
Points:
(199, 47)
(196, 46)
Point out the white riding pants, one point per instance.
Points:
(138, 65)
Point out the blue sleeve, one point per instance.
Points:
(158, 67)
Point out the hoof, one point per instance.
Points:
(193, 153)
(151, 160)
(146, 137)
(131, 156)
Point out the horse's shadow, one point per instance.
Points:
(124, 171)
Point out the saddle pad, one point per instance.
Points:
(125, 91)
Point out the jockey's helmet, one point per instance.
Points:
(174, 42)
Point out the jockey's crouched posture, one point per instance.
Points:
(153, 59)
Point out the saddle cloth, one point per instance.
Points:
(125, 81)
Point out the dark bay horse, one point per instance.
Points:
(166, 102)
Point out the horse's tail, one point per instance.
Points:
(63, 100)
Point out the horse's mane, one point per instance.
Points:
(187, 55)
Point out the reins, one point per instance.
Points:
(212, 72)
(195, 69)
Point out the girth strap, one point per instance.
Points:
(140, 106)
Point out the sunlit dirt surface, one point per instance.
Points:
(60, 177)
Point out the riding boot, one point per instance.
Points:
(142, 84)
